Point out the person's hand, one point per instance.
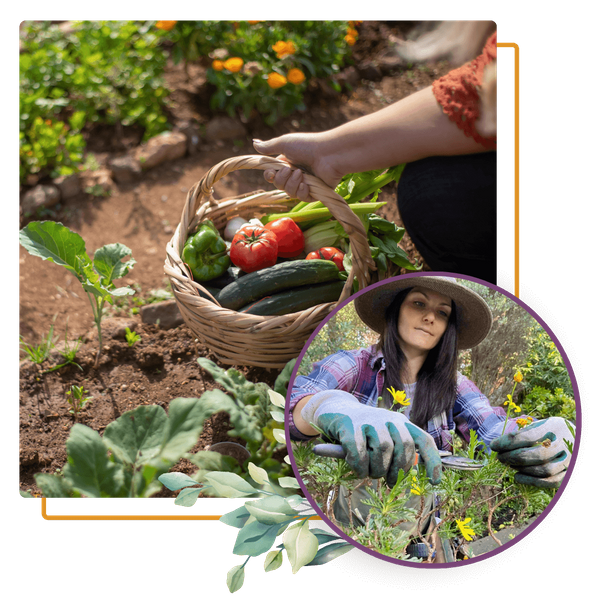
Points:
(304, 150)
(378, 442)
(538, 452)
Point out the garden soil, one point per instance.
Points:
(143, 215)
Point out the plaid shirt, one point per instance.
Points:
(361, 373)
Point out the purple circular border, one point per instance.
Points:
(538, 519)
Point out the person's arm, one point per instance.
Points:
(412, 128)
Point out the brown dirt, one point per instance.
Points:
(143, 215)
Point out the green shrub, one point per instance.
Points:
(99, 71)
(542, 403)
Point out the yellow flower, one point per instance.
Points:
(275, 80)
(295, 76)
(414, 487)
(218, 65)
(524, 422)
(399, 396)
(466, 531)
(516, 408)
(165, 25)
(518, 377)
(284, 48)
(350, 40)
(233, 64)
(352, 32)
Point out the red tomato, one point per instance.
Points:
(253, 248)
(290, 238)
(329, 253)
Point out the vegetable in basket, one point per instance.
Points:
(290, 239)
(205, 253)
(253, 248)
(335, 255)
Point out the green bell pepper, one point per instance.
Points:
(205, 253)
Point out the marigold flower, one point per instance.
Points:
(165, 25)
(233, 64)
(524, 422)
(518, 377)
(218, 65)
(275, 80)
(284, 48)
(295, 76)
(253, 22)
(466, 531)
(350, 40)
(352, 32)
(399, 396)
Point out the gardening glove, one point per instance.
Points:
(539, 452)
(378, 442)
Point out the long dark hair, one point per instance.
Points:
(436, 382)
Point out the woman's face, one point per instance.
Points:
(423, 319)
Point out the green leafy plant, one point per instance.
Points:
(93, 72)
(40, 352)
(135, 449)
(132, 337)
(262, 521)
(54, 242)
(77, 398)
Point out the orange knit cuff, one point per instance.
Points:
(458, 93)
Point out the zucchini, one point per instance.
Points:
(296, 299)
(286, 275)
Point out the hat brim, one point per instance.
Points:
(474, 317)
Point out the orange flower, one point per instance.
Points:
(518, 377)
(295, 76)
(284, 48)
(233, 64)
(165, 25)
(218, 65)
(350, 40)
(254, 22)
(352, 32)
(275, 80)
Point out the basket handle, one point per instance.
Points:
(318, 191)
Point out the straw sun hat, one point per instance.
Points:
(474, 318)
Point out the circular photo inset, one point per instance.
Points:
(432, 419)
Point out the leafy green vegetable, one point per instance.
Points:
(54, 242)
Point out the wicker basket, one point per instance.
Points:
(243, 339)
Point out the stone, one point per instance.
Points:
(369, 71)
(162, 148)
(225, 128)
(41, 196)
(99, 181)
(68, 185)
(166, 313)
(125, 169)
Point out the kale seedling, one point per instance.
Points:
(54, 242)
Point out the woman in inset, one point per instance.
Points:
(423, 321)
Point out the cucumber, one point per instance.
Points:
(286, 275)
(296, 299)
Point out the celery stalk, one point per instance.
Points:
(319, 213)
